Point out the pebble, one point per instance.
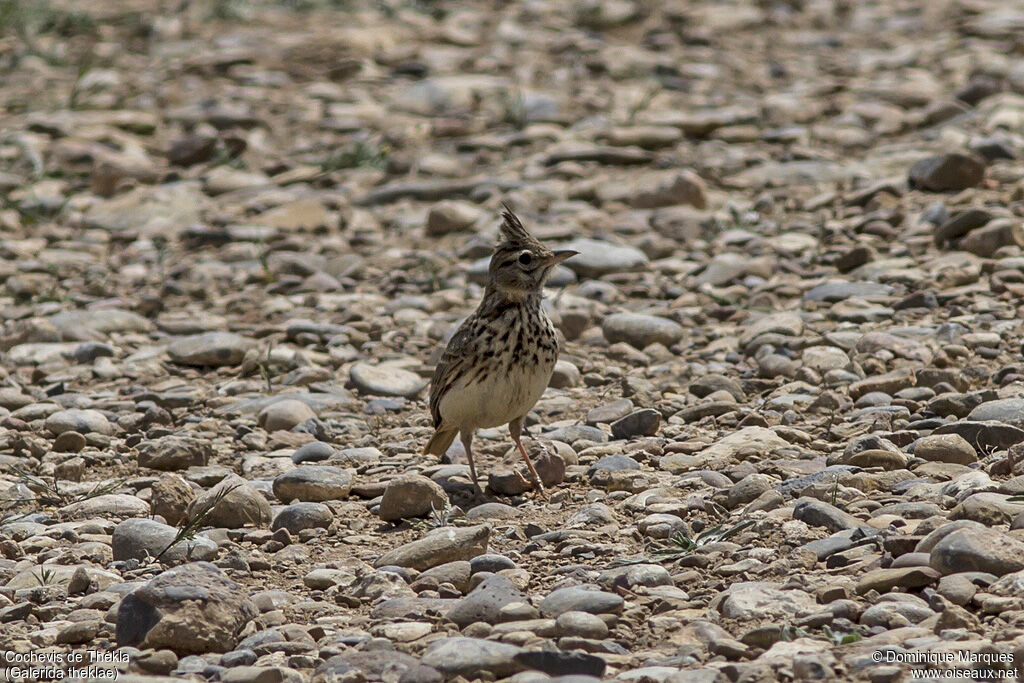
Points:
(313, 483)
(580, 599)
(283, 415)
(314, 451)
(484, 603)
(640, 331)
(468, 657)
(81, 421)
(299, 516)
(947, 173)
(597, 258)
(643, 422)
(146, 539)
(411, 495)
(441, 545)
(210, 349)
(386, 380)
(233, 503)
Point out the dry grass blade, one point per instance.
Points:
(50, 493)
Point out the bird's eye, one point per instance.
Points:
(526, 258)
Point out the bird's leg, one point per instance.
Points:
(515, 428)
(467, 443)
(526, 430)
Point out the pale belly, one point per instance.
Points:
(496, 400)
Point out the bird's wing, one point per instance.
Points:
(461, 346)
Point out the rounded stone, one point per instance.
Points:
(644, 422)
(81, 421)
(210, 349)
(640, 331)
(314, 451)
(299, 516)
(313, 483)
(386, 380)
(411, 495)
(283, 415)
(147, 539)
(490, 563)
(581, 625)
(951, 448)
(582, 598)
(69, 442)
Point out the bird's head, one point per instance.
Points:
(521, 264)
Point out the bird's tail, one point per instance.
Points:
(440, 442)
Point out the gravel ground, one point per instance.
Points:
(784, 440)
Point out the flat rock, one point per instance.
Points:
(640, 331)
(210, 349)
(597, 258)
(586, 598)
(484, 603)
(751, 600)
(884, 580)
(146, 539)
(386, 380)
(976, 548)
(470, 657)
(313, 483)
(110, 505)
(445, 544)
(81, 421)
(1005, 410)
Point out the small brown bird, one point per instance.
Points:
(501, 358)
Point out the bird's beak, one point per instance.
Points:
(560, 256)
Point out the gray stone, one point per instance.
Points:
(192, 608)
(609, 412)
(210, 349)
(758, 600)
(314, 483)
(314, 451)
(299, 516)
(386, 380)
(1006, 410)
(484, 603)
(81, 421)
(640, 331)
(471, 657)
(146, 539)
(977, 548)
(445, 544)
(819, 513)
(411, 495)
(110, 505)
(644, 422)
(235, 503)
(597, 258)
(585, 598)
(174, 452)
(840, 290)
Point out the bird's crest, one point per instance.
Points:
(513, 231)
